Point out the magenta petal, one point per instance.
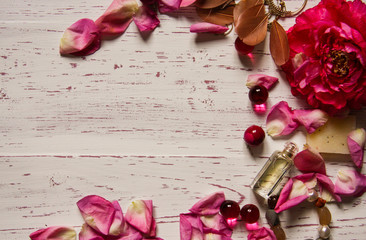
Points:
(311, 119)
(81, 38)
(209, 205)
(97, 212)
(280, 120)
(56, 232)
(190, 227)
(309, 161)
(261, 79)
(117, 17)
(356, 142)
(262, 234)
(350, 183)
(117, 226)
(216, 224)
(166, 6)
(87, 233)
(146, 19)
(284, 202)
(186, 3)
(324, 182)
(206, 27)
(140, 215)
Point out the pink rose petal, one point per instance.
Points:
(81, 38)
(209, 205)
(284, 202)
(261, 79)
(132, 236)
(87, 233)
(311, 119)
(140, 215)
(186, 3)
(117, 226)
(117, 17)
(262, 234)
(190, 227)
(280, 120)
(309, 161)
(215, 224)
(54, 233)
(356, 142)
(146, 19)
(97, 212)
(206, 27)
(166, 6)
(350, 183)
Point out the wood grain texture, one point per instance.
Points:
(157, 116)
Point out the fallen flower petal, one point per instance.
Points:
(54, 233)
(209, 205)
(186, 3)
(309, 161)
(117, 17)
(280, 120)
(81, 38)
(350, 183)
(311, 119)
(97, 212)
(205, 27)
(284, 201)
(87, 233)
(261, 79)
(146, 19)
(191, 227)
(262, 234)
(117, 226)
(356, 142)
(215, 224)
(140, 215)
(166, 6)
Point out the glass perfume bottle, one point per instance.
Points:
(269, 180)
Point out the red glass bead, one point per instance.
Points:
(258, 94)
(242, 48)
(249, 213)
(230, 209)
(254, 135)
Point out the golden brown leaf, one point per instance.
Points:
(242, 6)
(279, 46)
(217, 15)
(207, 4)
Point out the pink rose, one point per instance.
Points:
(327, 63)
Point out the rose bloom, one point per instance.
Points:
(328, 56)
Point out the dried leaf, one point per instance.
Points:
(252, 25)
(279, 46)
(207, 4)
(242, 6)
(218, 15)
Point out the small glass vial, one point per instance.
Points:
(269, 180)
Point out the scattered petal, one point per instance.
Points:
(309, 161)
(205, 27)
(140, 215)
(350, 183)
(311, 119)
(87, 233)
(284, 201)
(54, 233)
(117, 226)
(209, 205)
(262, 234)
(146, 19)
(261, 79)
(97, 212)
(166, 6)
(191, 227)
(215, 224)
(117, 17)
(186, 3)
(356, 142)
(280, 120)
(81, 38)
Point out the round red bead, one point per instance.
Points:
(229, 209)
(254, 135)
(242, 48)
(258, 94)
(249, 213)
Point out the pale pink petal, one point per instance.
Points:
(261, 79)
(284, 201)
(166, 6)
(216, 236)
(186, 3)
(280, 120)
(81, 38)
(262, 234)
(97, 212)
(117, 226)
(309, 161)
(215, 224)
(311, 119)
(350, 183)
(326, 186)
(146, 19)
(140, 215)
(209, 205)
(54, 233)
(206, 27)
(190, 227)
(117, 17)
(356, 142)
(87, 233)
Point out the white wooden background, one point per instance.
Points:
(158, 116)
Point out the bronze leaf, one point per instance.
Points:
(279, 46)
(207, 4)
(219, 16)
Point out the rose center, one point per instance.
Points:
(340, 62)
